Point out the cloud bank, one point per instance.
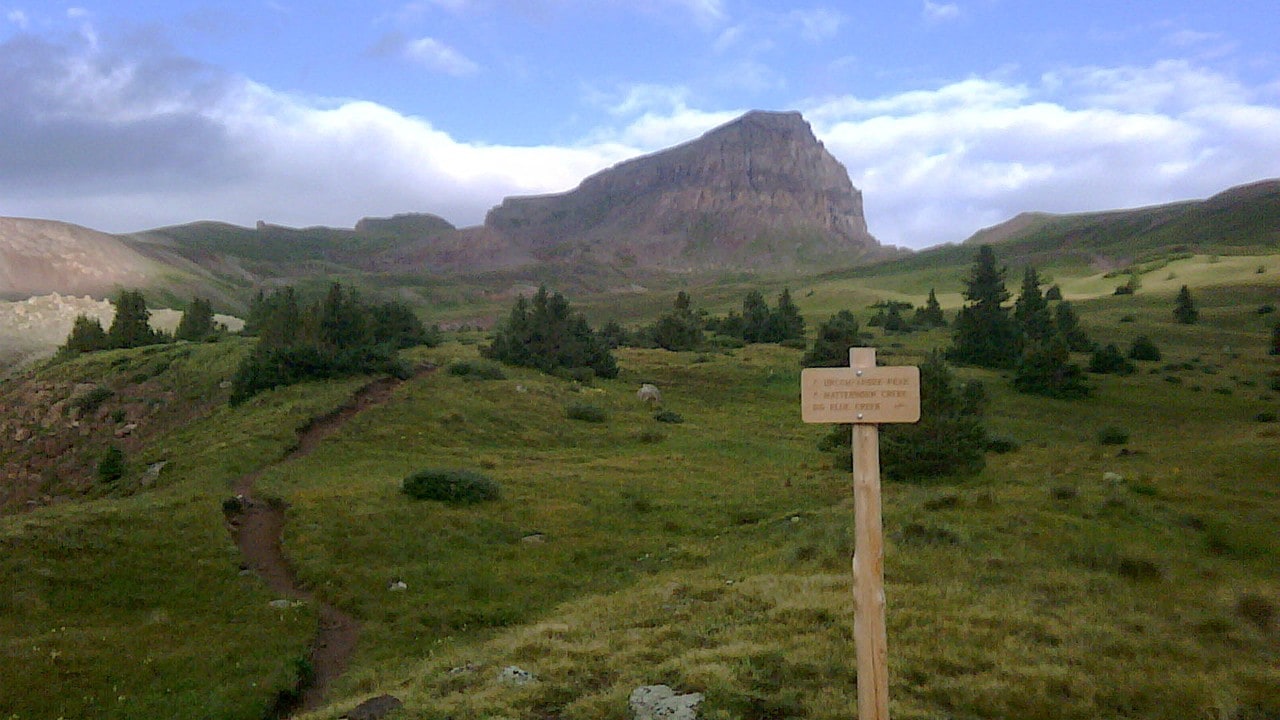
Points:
(127, 141)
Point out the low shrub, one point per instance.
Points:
(1265, 416)
(668, 416)
(1257, 609)
(459, 487)
(1063, 492)
(1144, 349)
(1001, 444)
(89, 403)
(478, 369)
(586, 412)
(111, 467)
(1112, 435)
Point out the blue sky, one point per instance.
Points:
(949, 116)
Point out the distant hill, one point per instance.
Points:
(1242, 219)
(44, 256)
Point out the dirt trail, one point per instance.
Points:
(256, 527)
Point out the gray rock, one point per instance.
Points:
(280, 604)
(512, 675)
(659, 702)
(650, 394)
(375, 708)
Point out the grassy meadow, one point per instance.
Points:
(1069, 579)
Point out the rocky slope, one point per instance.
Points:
(44, 256)
(760, 191)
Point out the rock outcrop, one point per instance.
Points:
(760, 191)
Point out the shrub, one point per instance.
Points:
(451, 486)
(111, 467)
(478, 369)
(546, 334)
(1265, 416)
(1257, 609)
(1112, 435)
(1001, 444)
(668, 416)
(92, 400)
(1063, 492)
(1144, 349)
(1109, 360)
(1265, 309)
(585, 412)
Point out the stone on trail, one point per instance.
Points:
(374, 708)
(660, 702)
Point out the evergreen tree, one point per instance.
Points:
(787, 322)
(395, 324)
(893, 320)
(755, 318)
(131, 326)
(835, 337)
(197, 322)
(931, 314)
(340, 320)
(1067, 324)
(111, 467)
(1031, 311)
(546, 334)
(1144, 349)
(86, 335)
(1046, 369)
(614, 335)
(1109, 360)
(984, 334)
(1184, 310)
(1053, 293)
(679, 329)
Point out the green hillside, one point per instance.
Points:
(1069, 579)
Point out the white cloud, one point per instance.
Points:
(439, 57)
(817, 24)
(940, 11)
(19, 18)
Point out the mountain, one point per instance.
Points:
(758, 192)
(44, 256)
(1243, 218)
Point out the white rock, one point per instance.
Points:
(512, 675)
(659, 702)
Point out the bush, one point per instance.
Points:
(586, 412)
(1266, 417)
(478, 369)
(1143, 349)
(1001, 444)
(1112, 435)
(668, 416)
(1109, 360)
(92, 400)
(460, 487)
(111, 467)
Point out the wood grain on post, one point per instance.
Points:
(870, 635)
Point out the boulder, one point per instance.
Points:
(649, 393)
(659, 702)
(512, 675)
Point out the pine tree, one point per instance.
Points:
(787, 323)
(546, 334)
(131, 326)
(984, 333)
(340, 320)
(931, 314)
(1046, 369)
(1053, 293)
(1031, 311)
(1067, 324)
(1184, 310)
(86, 335)
(197, 322)
(1109, 360)
(679, 329)
(1144, 349)
(893, 320)
(950, 438)
(835, 337)
(755, 318)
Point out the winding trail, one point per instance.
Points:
(256, 527)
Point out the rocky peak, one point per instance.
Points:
(758, 191)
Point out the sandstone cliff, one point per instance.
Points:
(760, 191)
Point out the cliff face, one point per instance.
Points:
(760, 191)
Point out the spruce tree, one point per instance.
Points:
(548, 335)
(931, 314)
(131, 326)
(984, 334)
(755, 317)
(1053, 293)
(86, 335)
(835, 337)
(787, 323)
(1144, 349)
(1046, 369)
(1030, 310)
(679, 329)
(1067, 324)
(1184, 310)
(950, 438)
(197, 322)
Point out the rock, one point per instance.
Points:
(374, 708)
(126, 430)
(649, 394)
(1112, 478)
(534, 539)
(464, 669)
(659, 702)
(512, 675)
(281, 604)
(397, 586)
(153, 473)
(704, 203)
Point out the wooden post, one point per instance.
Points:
(869, 633)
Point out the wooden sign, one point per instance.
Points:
(865, 395)
(874, 395)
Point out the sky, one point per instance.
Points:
(949, 116)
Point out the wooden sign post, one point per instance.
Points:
(865, 395)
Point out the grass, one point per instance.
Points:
(710, 555)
